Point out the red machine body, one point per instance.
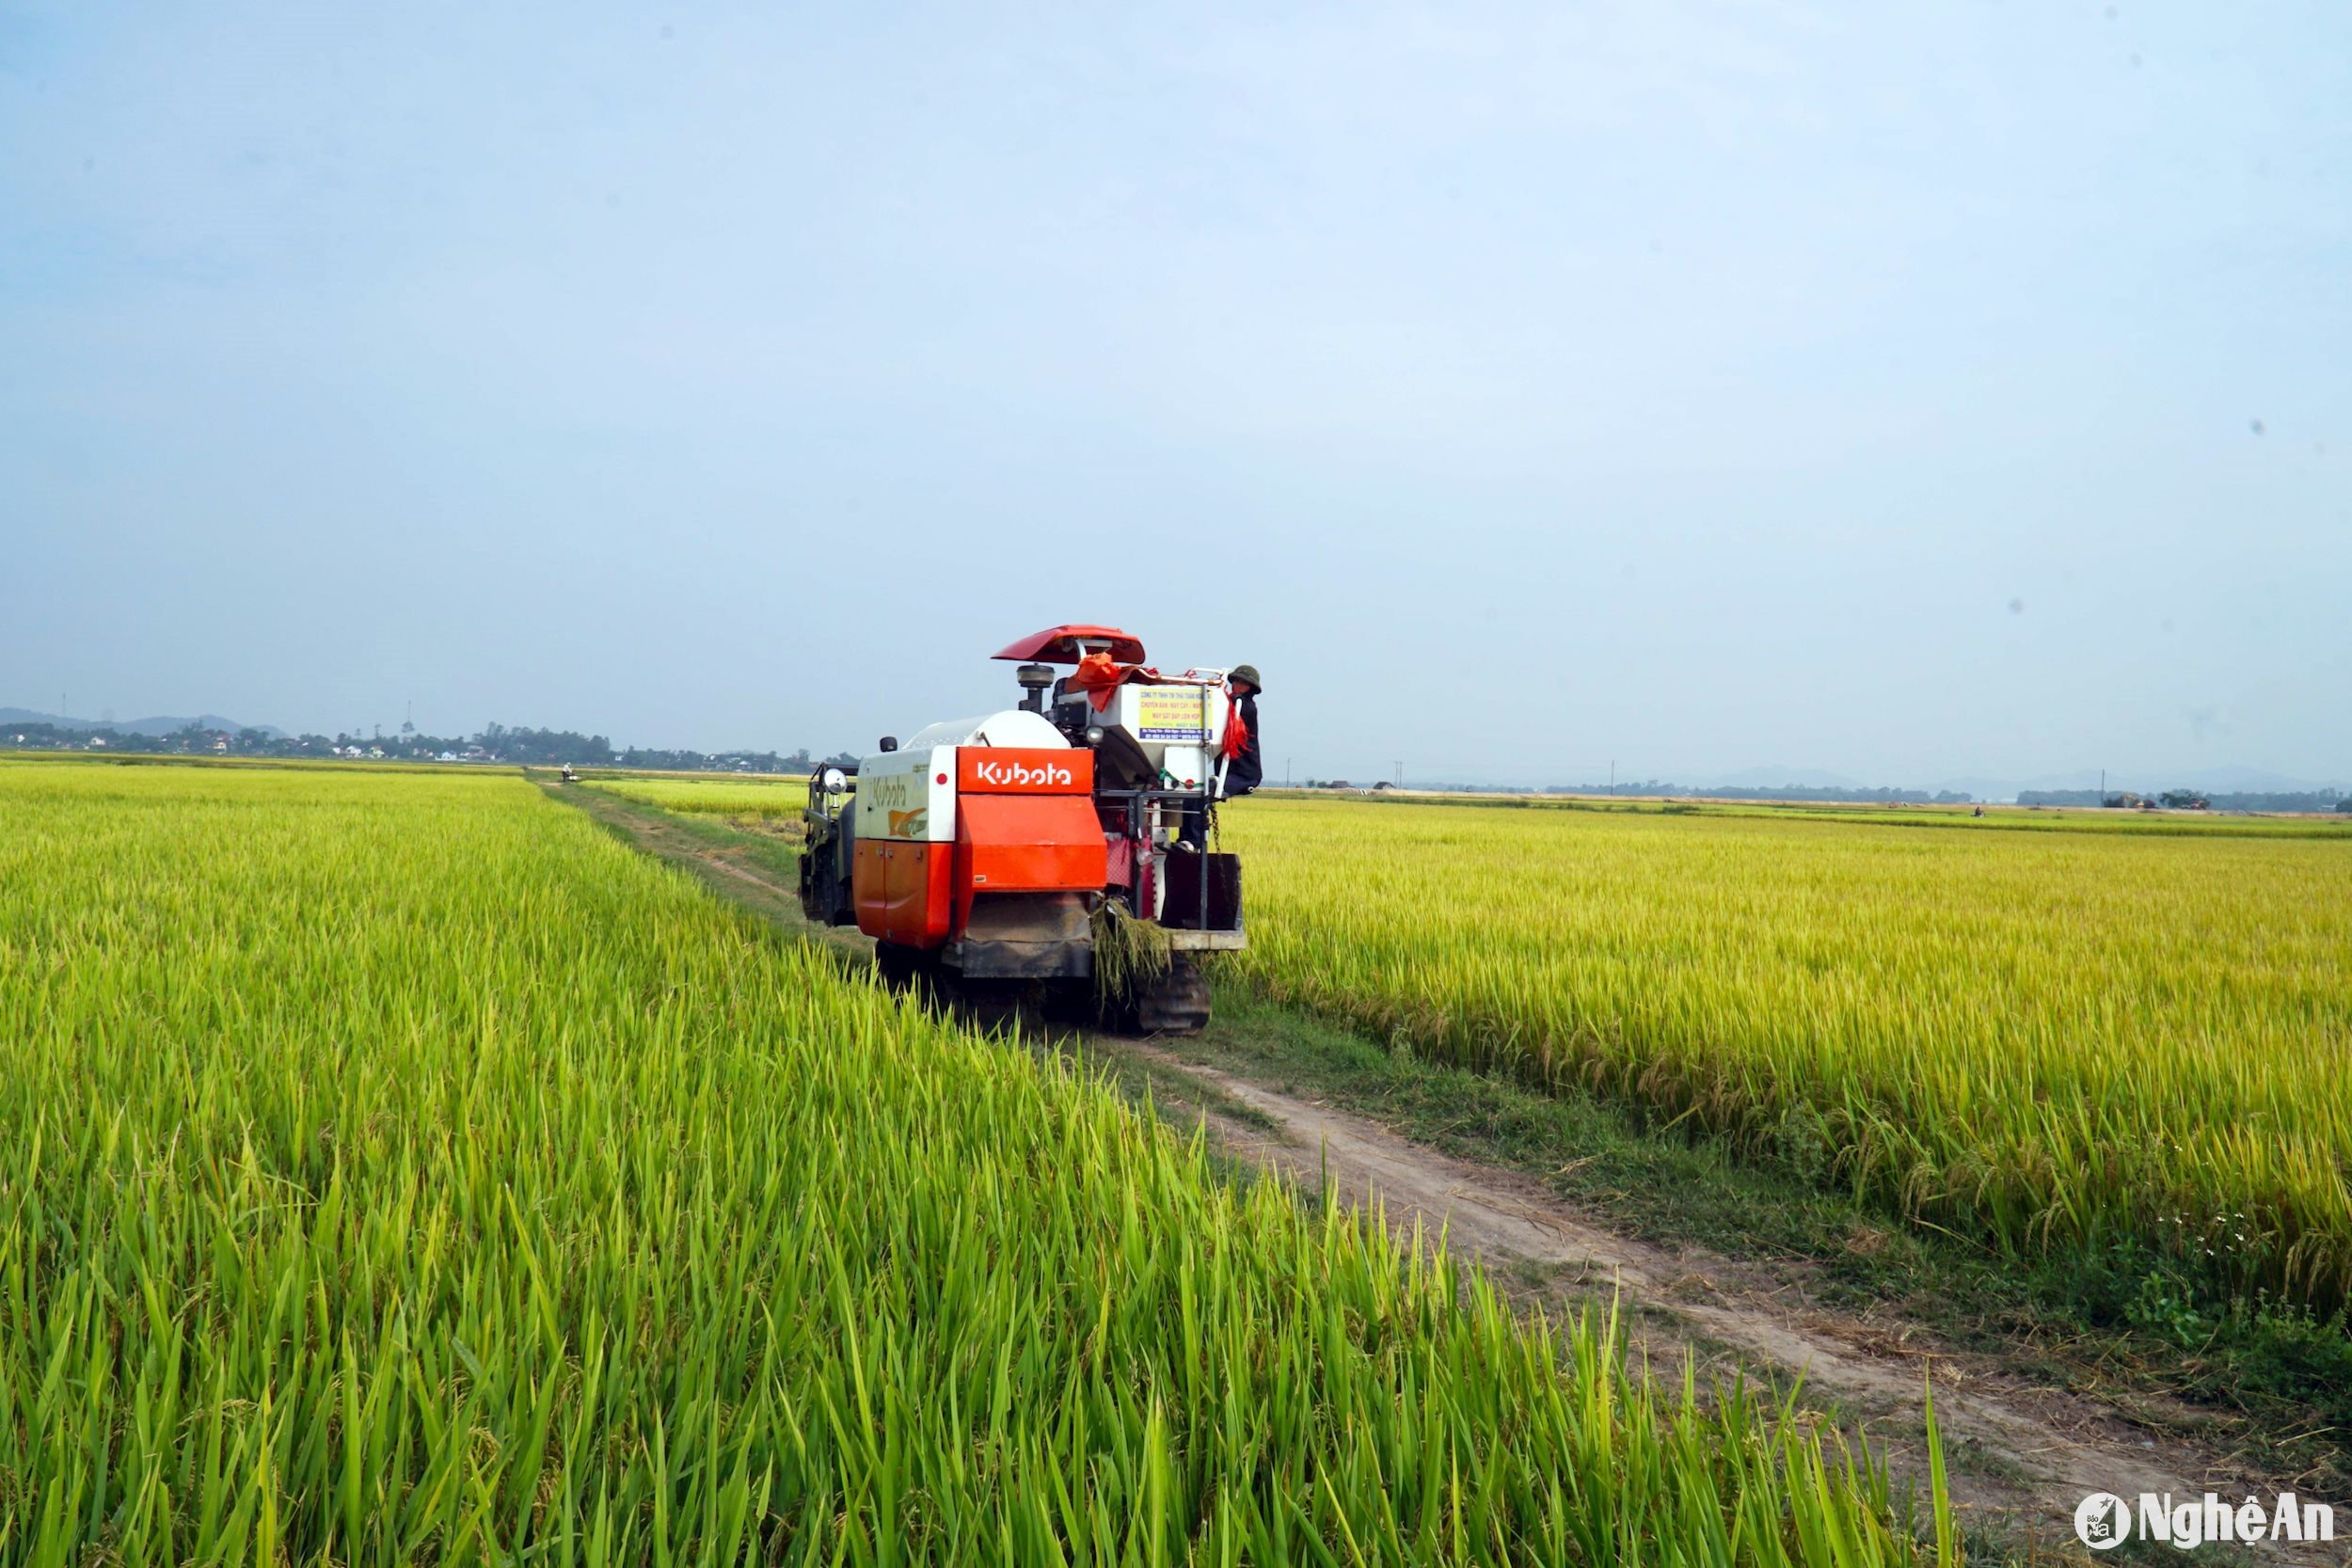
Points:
(984, 850)
(994, 820)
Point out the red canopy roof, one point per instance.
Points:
(1060, 645)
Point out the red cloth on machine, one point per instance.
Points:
(1237, 729)
(1099, 674)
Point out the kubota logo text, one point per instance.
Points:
(1020, 775)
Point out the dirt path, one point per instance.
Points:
(722, 866)
(2021, 1453)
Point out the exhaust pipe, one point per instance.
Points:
(1034, 679)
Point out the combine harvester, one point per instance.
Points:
(1031, 855)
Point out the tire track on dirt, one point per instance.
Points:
(2047, 1448)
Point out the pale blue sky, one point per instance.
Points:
(1522, 388)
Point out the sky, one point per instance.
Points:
(1899, 393)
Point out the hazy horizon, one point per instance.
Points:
(1904, 396)
(2225, 778)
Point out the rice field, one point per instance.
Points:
(2073, 1038)
(397, 1169)
(2071, 819)
(719, 797)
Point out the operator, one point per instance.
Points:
(1245, 760)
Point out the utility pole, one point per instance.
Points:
(1286, 772)
(1612, 777)
(1400, 773)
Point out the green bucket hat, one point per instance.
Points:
(1246, 672)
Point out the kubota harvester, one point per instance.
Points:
(1007, 858)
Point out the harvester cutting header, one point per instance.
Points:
(1056, 847)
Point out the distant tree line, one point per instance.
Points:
(2322, 799)
(495, 743)
(731, 762)
(1882, 796)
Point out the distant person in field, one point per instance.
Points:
(1243, 757)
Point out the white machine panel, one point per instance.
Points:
(908, 795)
(1179, 724)
(1010, 726)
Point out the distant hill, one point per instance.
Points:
(2235, 780)
(161, 724)
(1782, 778)
(2211, 781)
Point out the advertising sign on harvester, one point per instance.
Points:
(1179, 713)
(1009, 771)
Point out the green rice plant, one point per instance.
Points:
(2036, 1037)
(397, 1169)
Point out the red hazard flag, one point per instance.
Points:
(1237, 729)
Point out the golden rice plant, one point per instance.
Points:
(2034, 1037)
(715, 797)
(397, 1169)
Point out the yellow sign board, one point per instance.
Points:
(1177, 712)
